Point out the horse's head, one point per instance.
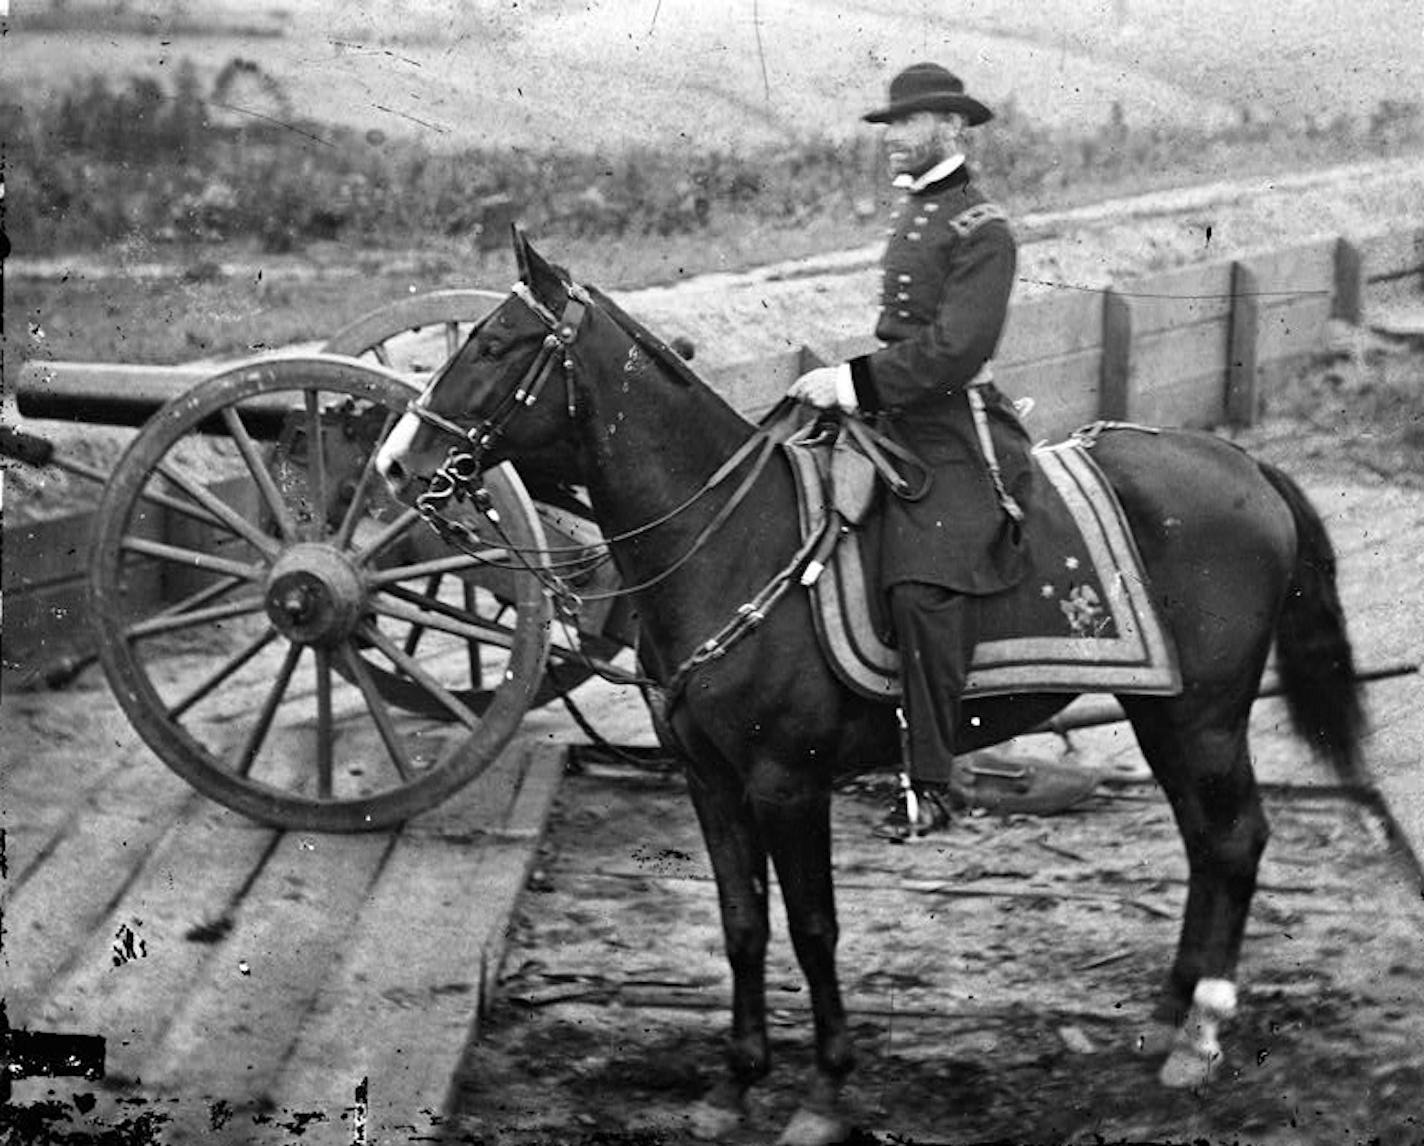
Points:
(507, 393)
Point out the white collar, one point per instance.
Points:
(941, 169)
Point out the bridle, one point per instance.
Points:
(462, 467)
(458, 479)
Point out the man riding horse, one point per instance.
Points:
(948, 273)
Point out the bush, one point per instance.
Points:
(180, 168)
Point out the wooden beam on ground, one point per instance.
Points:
(1092, 715)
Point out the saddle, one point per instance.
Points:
(1082, 620)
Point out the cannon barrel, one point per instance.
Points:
(105, 394)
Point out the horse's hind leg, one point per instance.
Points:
(1197, 747)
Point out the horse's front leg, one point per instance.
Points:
(739, 863)
(794, 813)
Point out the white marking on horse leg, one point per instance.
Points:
(810, 1127)
(397, 444)
(1197, 1049)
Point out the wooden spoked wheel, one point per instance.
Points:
(415, 336)
(248, 600)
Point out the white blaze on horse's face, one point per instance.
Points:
(390, 458)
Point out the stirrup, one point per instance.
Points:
(916, 814)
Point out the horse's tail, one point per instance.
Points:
(1313, 653)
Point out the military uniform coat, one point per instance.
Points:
(948, 273)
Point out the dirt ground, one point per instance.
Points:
(1001, 981)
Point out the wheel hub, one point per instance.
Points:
(314, 594)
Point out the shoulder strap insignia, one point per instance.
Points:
(972, 218)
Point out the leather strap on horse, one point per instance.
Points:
(752, 613)
(876, 446)
(1088, 435)
(890, 460)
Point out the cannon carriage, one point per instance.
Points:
(280, 632)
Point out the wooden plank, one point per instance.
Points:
(1116, 368)
(1397, 252)
(54, 912)
(400, 1013)
(1062, 323)
(1183, 296)
(44, 628)
(482, 808)
(1179, 375)
(1064, 391)
(1274, 375)
(1296, 328)
(217, 541)
(289, 930)
(45, 781)
(1192, 400)
(527, 819)
(45, 590)
(1200, 348)
(43, 552)
(184, 887)
(1290, 272)
(1241, 355)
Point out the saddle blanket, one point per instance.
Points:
(1081, 621)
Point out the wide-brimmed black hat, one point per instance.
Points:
(929, 87)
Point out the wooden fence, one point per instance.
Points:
(1199, 345)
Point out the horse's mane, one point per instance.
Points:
(663, 354)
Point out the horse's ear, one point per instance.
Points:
(537, 273)
(521, 251)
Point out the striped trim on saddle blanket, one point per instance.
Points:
(1081, 621)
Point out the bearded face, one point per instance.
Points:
(916, 143)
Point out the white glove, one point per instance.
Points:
(825, 386)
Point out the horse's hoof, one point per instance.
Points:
(711, 1121)
(813, 1128)
(1197, 1052)
(1188, 1068)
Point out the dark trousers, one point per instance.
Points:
(935, 631)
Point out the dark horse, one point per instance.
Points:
(1236, 556)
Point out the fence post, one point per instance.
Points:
(1241, 372)
(1115, 373)
(1347, 305)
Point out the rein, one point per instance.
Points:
(458, 479)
